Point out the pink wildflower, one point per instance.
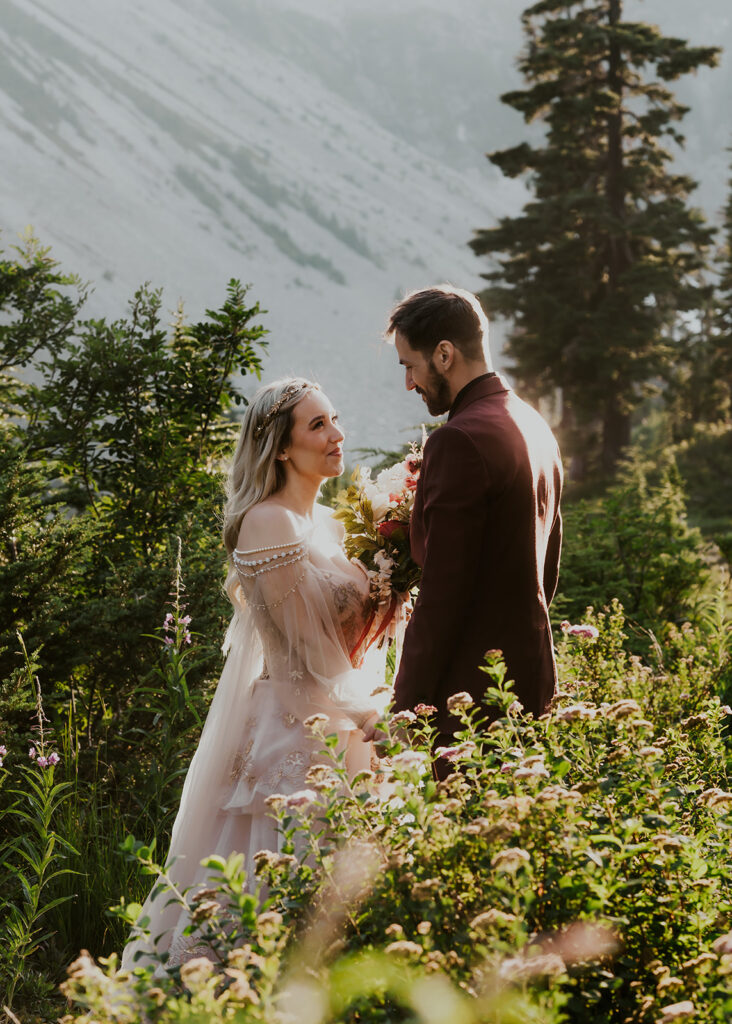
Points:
(53, 758)
(1, 762)
(42, 762)
(425, 709)
(586, 631)
(185, 620)
(168, 640)
(187, 637)
(3, 751)
(32, 753)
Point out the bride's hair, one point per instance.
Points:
(256, 472)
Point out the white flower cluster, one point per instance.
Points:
(380, 577)
(383, 491)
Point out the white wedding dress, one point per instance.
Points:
(294, 648)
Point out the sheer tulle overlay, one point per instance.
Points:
(301, 613)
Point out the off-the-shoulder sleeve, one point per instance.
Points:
(316, 616)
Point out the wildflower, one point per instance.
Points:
(168, 621)
(723, 944)
(402, 718)
(315, 722)
(205, 910)
(240, 989)
(515, 709)
(535, 771)
(455, 753)
(666, 841)
(3, 751)
(650, 752)
(303, 798)
(585, 631)
(424, 927)
(186, 620)
(269, 922)
(510, 859)
(410, 760)
(322, 776)
(677, 1011)
(32, 753)
(668, 982)
(459, 701)
(42, 762)
(715, 797)
(168, 640)
(394, 930)
(423, 890)
(726, 709)
(425, 709)
(623, 709)
(518, 968)
(581, 710)
(403, 947)
(53, 758)
(275, 802)
(196, 972)
(187, 637)
(490, 917)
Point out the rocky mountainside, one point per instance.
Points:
(330, 152)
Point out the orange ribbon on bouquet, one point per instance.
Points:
(390, 613)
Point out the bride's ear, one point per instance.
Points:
(282, 457)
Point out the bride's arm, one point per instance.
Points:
(284, 584)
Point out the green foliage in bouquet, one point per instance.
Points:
(573, 867)
(376, 517)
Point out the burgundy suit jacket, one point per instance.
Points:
(487, 531)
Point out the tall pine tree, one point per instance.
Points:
(595, 268)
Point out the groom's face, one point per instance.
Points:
(422, 376)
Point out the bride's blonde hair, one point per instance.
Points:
(256, 472)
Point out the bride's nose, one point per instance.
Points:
(336, 434)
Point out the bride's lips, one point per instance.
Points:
(337, 452)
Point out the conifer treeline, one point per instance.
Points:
(605, 274)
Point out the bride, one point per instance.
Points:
(297, 646)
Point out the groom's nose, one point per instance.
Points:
(409, 381)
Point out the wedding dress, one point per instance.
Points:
(295, 647)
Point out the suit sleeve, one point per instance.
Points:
(551, 564)
(554, 543)
(454, 482)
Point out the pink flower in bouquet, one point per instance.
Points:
(413, 462)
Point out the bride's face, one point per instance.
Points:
(316, 441)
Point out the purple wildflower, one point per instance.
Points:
(53, 758)
(42, 762)
(32, 753)
(168, 640)
(3, 751)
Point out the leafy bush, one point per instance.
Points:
(633, 544)
(573, 867)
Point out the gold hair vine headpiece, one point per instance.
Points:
(290, 391)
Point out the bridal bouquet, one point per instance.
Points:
(376, 514)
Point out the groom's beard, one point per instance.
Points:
(436, 392)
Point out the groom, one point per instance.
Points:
(486, 526)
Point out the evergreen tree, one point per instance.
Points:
(596, 267)
(722, 345)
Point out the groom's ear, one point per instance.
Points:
(444, 354)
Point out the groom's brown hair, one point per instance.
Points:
(443, 313)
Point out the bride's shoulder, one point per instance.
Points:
(268, 524)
